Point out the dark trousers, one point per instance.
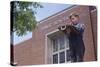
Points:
(77, 52)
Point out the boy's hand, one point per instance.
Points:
(68, 30)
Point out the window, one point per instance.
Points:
(55, 58)
(55, 45)
(61, 52)
(61, 43)
(62, 57)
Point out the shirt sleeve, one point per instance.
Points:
(80, 28)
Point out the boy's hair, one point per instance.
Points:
(73, 14)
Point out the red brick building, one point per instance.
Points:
(40, 48)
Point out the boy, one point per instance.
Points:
(76, 38)
(75, 30)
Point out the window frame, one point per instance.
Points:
(66, 44)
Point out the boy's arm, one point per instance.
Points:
(70, 28)
(79, 29)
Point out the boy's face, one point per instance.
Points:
(74, 19)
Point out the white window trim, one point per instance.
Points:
(46, 37)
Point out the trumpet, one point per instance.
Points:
(63, 27)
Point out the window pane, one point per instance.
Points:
(55, 45)
(62, 57)
(67, 42)
(62, 42)
(55, 58)
(68, 55)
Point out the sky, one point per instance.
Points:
(47, 10)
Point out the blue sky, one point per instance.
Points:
(47, 10)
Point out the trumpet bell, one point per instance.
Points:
(63, 27)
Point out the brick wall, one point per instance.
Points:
(23, 53)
